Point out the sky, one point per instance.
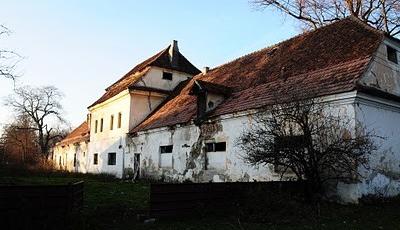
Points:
(82, 47)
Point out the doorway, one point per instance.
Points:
(136, 166)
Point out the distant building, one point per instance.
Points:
(166, 119)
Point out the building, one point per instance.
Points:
(187, 131)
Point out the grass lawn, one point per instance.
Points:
(112, 204)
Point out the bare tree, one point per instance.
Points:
(19, 141)
(309, 140)
(8, 59)
(381, 14)
(42, 106)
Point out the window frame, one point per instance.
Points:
(119, 120)
(111, 122)
(167, 76)
(112, 160)
(165, 149)
(214, 148)
(391, 54)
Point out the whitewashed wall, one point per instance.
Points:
(382, 73)
(109, 140)
(67, 153)
(154, 79)
(383, 176)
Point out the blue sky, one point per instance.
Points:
(81, 47)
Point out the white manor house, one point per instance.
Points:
(167, 119)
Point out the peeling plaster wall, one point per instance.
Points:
(189, 159)
(383, 176)
(382, 73)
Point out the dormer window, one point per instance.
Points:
(167, 76)
(392, 54)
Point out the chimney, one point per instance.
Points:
(206, 69)
(174, 53)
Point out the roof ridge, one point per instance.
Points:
(151, 60)
(353, 18)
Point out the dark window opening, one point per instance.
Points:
(95, 158)
(101, 125)
(166, 149)
(112, 122)
(119, 119)
(75, 160)
(392, 54)
(95, 126)
(167, 76)
(210, 104)
(112, 158)
(216, 147)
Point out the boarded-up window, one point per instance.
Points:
(112, 158)
(216, 156)
(101, 125)
(392, 54)
(95, 158)
(111, 122)
(166, 156)
(119, 120)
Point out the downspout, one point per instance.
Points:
(123, 161)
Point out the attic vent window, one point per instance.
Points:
(392, 54)
(167, 76)
(210, 105)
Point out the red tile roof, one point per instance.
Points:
(161, 59)
(79, 134)
(325, 61)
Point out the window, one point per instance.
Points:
(216, 147)
(59, 162)
(166, 160)
(392, 54)
(112, 122)
(95, 126)
(167, 76)
(101, 125)
(75, 160)
(119, 120)
(166, 149)
(210, 105)
(112, 158)
(95, 158)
